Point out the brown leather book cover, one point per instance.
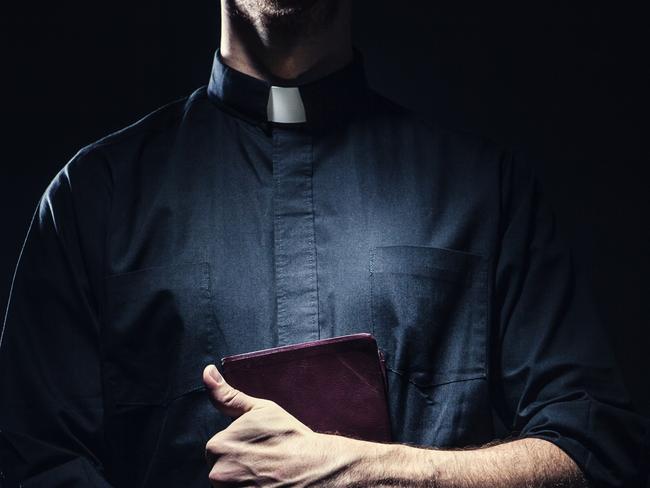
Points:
(336, 385)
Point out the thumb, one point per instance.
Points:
(224, 397)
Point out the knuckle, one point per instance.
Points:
(208, 456)
(230, 395)
(209, 446)
(265, 403)
(218, 476)
(211, 451)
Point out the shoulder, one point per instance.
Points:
(99, 158)
(430, 133)
(158, 123)
(163, 119)
(90, 173)
(467, 161)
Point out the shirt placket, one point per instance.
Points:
(294, 240)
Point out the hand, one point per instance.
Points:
(267, 446)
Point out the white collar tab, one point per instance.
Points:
(285, 105)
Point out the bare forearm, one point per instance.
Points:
(533, 463)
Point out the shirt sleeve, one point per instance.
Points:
(51, 405)
(555, 377)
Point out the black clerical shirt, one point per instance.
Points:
(205, 230)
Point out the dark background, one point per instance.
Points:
(567, 85)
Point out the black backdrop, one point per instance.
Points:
(565, 84)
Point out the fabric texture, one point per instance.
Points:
(204, 230)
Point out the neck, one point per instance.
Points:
(277, 49)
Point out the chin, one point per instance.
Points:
(288, 4)
(282, 8)
(291, 18)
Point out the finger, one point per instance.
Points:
(215, 448)
(224, 397)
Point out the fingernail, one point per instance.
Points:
(214, 372)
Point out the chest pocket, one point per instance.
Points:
(156, 336)
(429, 312)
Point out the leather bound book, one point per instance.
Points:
(336, 385)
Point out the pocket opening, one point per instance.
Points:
(429, 312)
(157, 333)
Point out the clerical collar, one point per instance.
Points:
(320, 102)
